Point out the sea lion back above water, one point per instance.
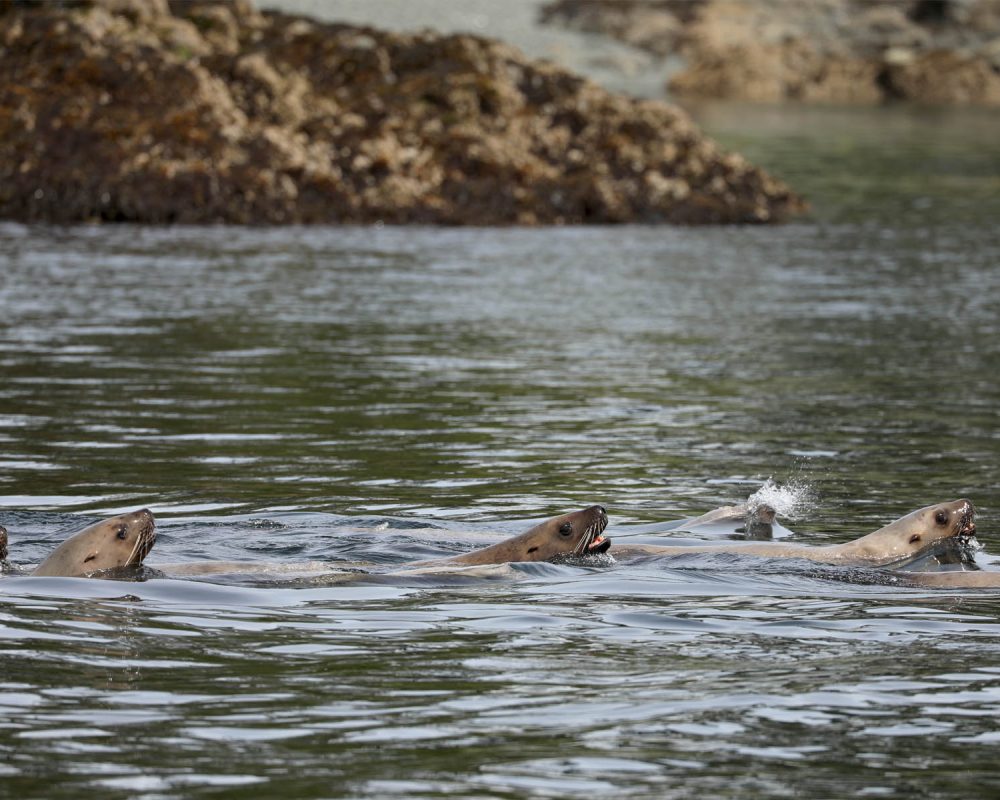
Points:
(578, 533)
(121, 541)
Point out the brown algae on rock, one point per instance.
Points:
(211, 112)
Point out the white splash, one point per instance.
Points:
(789, 500)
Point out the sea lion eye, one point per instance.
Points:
(566, 529)
(915, 538)
(941, 518)
(122, 533)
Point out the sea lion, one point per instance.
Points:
(578, 533)
(898, 542)
(122, 541)
(3, 543)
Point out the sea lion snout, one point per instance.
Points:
(967, 524)
(593, 541)
(147, 535)
(146, 521)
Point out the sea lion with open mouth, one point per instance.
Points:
(896, 544)
(578, 533)
(122, 541)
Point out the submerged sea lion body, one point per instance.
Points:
(578, 533)
(958, 579)
(265, 569)
(898, 542)
(122, 541)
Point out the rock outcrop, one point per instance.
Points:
(822, 51)
(205, 112)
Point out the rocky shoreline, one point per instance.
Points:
(943, 52)
(215, 112)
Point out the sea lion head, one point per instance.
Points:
(122, 541)
(915, 534)
(578, 533)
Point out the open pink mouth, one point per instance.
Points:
(600, 544)
(592, 540)
(968, 525)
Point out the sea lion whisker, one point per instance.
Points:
(592, 533)
(594, 530)
(144, 541)
(135, 549)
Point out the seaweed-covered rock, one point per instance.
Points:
(201, 112)
(833, 51)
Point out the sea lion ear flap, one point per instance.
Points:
(92, 556)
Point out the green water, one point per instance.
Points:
(375, 395)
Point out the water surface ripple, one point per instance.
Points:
(370, 397)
